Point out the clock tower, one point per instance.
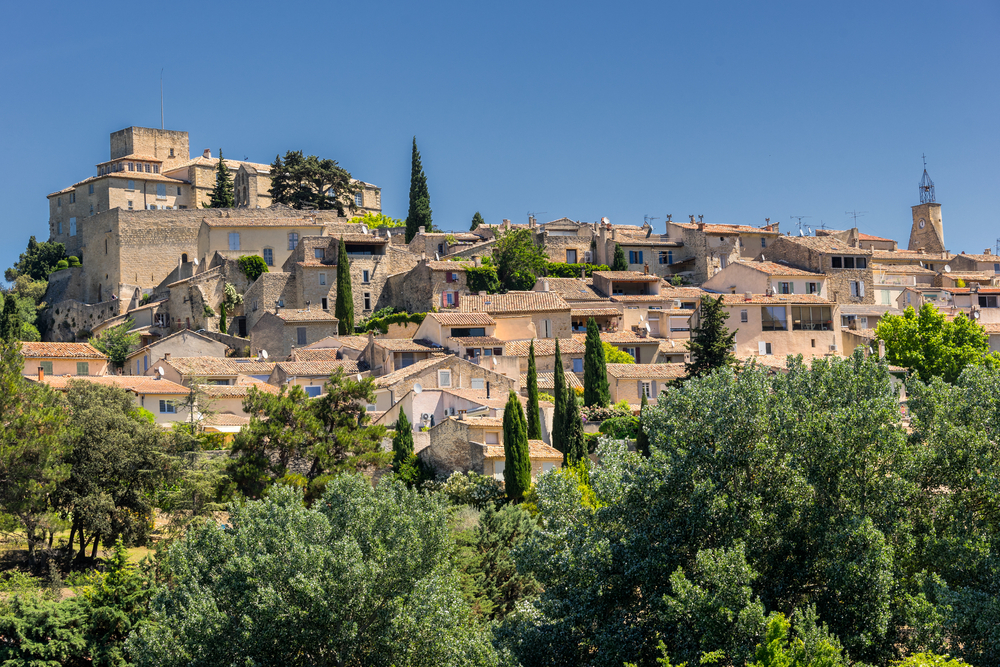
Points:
(927, 231)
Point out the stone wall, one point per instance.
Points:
(267, 289)
(449, 449)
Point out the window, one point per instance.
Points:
(92, 209)
(325, 303)
(763, 347)
(886, 297)
(811, 318)
(167, 407)
(635, 257)
(444, 378)
(467, 332)
(234, 242)
(996, 268)
(861, 263)
(365, 276)
(269, 256)
(313, 391)
(178, 191)
(171, 152)
(131, 185)
(83, 368)
(148, 169)
(763, 242)
(498, 467)
(46, 367)
(368, 301)
(72, 197)
(667, 257)
(773, 318)
(359, 199)
(987, 301)
(723, 261)
(478, 383)
(812, 288)
(156, 168)
(786, 287)
(130, 204)
(744, 316)
(58, 201)
(857, 289)
(160, 320)
(631, 351)
(72, 226)
(405, 359)
(571, 256)
(131, 166)
(440, 248)
(449, 299)
(578, 365)
(59, 225)
(647, 390)
(300, 335)
(848, 262)
(319, 253)
(293, 240)
(322, 279)
(546, 328)
(90, 189)
(492, 437)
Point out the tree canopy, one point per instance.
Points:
(309, 182)
(419, 212)
(344, 306)
(517, 465)
(595, 369)
(37, 261)
(477, 220)
(711, 343)
(534, 423)
(222, 193)
(117, 342)
(619, 263)
(519, 261)
(253, 266)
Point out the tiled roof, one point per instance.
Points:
(992, 328)
(777, 269)
(61, 351)
(325, 367)
(239, 390)
(644, 371)
(404, 345)
(415, 368)
(573, 289)
(218, 366)
(496, 401)
(640, 298)
(868, 309)
(462, 319)
(266, 222)
(476, 341)
(361, 238)
(654, 240)
(143, 350)
(213, 162)
(902, 268)
(547, 379)
(726, 229)
(826, 244)
(627, 276)
(979, 276)
(966, 290)
(628, 337)
(311, 315)
(737, 299)
(544, 347)
(908, 255)
(513, 303)
(869, 237)
(334, 342)
(321, 354)
(225, 419)
(594, 312)
(669, 291)
(981, 258)
(139, 384)
(537, 449)
(436, 265)
(475, 422)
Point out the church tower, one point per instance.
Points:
(927, 231)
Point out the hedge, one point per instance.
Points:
(563, 270)
(382, 323)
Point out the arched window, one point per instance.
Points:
(184, 257)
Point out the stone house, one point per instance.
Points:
(618, 283)
(571, 350)
(280, 330)
(711, 247)
(183, 343)
(427, 285)
(43, 360)
(209, 370)
(438, 244)
(628, 382)
(849, 278)
(988, 262)
(566, 241)
(761, 277)
(445, 372)
(546, 382)
(159, 396)
(853, 237)
(228, 398)
(274, 239)
(639, 345)
(935, 261)
(574, 291)
(891, 279)
(523, 314)
(312, 375)
(387, 355)
(269, 292)
(333, 347)
(658, 254)
(470, 335)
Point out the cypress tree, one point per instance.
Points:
(711, 343)
(10, 320)
(534, 424)
(419, 213)
(595, 370)
(641, 439)
(576, 448)
(345, 296)
(619, 263)
(517, 467)
(558, 390)
(222, 193)
(476, 221)
(222, 318)
(402, 441)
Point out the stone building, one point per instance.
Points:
(628, 382)
(763, 277)
(279, 330)
(72, 359)
(476, 444)
(988, 262)
(184, 343)
(849, 278)
(444, 372)
(523, 314)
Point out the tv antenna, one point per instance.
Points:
(649, 219)
(997, 251)
(533, 214)
(800, 218)
(855, 215)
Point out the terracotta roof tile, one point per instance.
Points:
(462, 319)
(225, 419)
(239, 390)
(646, 371)
(981, 258)
(435, 265)
(547, 379)
(312, 315)
(908, 255)
(902, 268)
(513, 303)
(217, 366)
(777, 269)
(628, 337)
(627, 276)
(276, 221)
(640, 298)
(61, 351)
(737, 299)
(138, 384)
(476, 341)
(671, 292)
(594, 312)
(321, 354)
(317, 367)
(826, 244)
(415, 368)
(572, 289)
(710, 228)
(544, 347)
(405, 345)
(869, 237)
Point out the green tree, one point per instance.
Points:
(117, 342)
(222, 318)
(642, 438)
(222, 193)
(534, 422)
(612, 355)
(405, 463)
(933, 346)
(344, 309)
(619, 263)
(519, 261)
(711, 344)
(310, 182)
(595, 369)
(419, 213)
(558, 414)
(572, 429)
(477, 220)
(374, 220)
(37, 261)
(364, 577)
(517, 466)
(500, 531)
(252, 266)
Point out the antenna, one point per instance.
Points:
(649, 219)
(800, 218)
(534, 214)
(997, 251)
(855, 215)
(161, 98)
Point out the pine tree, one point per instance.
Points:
(641, 438)
(222, 193)
(419, 213)
(280, 183)
(619, 263)
(711, 344)
(534, 424)
(345, 296)
(222, 318)
(517, 466)
(576, 447)
(10, 320)
(595, 370)
(476, 221)
(559, 388)
(402, 441)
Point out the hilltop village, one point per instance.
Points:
(151, 255)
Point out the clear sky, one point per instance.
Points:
(737, 111)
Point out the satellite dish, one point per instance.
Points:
(495, 362)
(160, 370)
(647, 326)
(947, 268)
(417, 388)
(263, 354)
(196, 261)
(364, 229)
(359, 377)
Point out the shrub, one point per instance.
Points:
(73, 260)
(62, 264)
(252, 266)
(471, 489)
(621, 427)
(382, 323)
(208, 311)
(563, 270)
(542, 396)
(482, 279)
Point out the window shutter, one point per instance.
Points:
(653, 390)
(861, 288)
(456, 299)
(639, 390)
(447, 276)
(761, 347)
(444, 299)
(791, 287)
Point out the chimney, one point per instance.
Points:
(987, 252)
(645, 268)
(166, 356)
(920, 250)
(545, 285)
(461, 415)
(531, 221)
(477, 260)
(748, 296)
(207, 154)
(422, 229)
(614, 233)
(701, 225)
(583, 274)
(41, 374)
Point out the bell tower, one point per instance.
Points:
(927, 231)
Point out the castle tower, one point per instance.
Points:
(927, 231)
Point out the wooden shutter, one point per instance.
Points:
(761, 347)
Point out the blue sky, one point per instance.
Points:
(736, 111)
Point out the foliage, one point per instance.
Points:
(381, 323)
(198, 487)
(325, 435)
(222, 318)
(374, 220)
(37, 261)
(222, 193)
(73, 261)
(477, 220)
(563, 270)
(117, 342)
(534, 422)
(543, 396)
(479, 491)
(310, 182)
(62, 264)
(252, 266)
(519, 261)
(621, 427)
(930, 660)
(419, 212)
(933, 346)
(207, 310)
(230, 296)
(811, 647)
(362, 578)
(711, 343)
(344, 309)
(619, 263)
(612, 355)
(641, 437)
(596, 413)
(517, 466)
(407, 466)
(595, 369)
(559, 391)
(572, 430)
(482, 279)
